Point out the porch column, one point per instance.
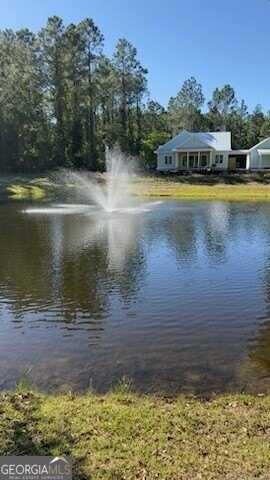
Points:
(199, 158)
(211, 158)
(248, 162)
(176, 160)
(187, 160)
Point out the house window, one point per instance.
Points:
(204, 158)
(168, 160)
(219, 158)
(183, 160)
(196, 160)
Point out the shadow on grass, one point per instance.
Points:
(216, 179)
(26, 438)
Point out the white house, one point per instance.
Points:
(210, 150)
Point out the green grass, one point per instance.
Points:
(241, 187)
(21, 187)
(20, 192)
(122, 435)
(202, 187)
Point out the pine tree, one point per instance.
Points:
(184, 110)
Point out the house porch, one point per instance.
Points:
(193, 160)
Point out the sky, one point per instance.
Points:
(217, 42)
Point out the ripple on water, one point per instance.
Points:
(178, 299)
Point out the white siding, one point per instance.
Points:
(256, 161)
(224, 164)
(162, 166)
(219, 143)
(266, 161)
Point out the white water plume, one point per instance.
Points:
(111, 192)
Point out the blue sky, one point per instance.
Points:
(216, 41)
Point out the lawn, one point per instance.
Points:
(241, 187)
(205, 187)
(122, 435)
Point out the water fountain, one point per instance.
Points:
(108, 195)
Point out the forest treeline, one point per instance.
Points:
(63, 101)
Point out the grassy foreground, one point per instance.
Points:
(122, 435)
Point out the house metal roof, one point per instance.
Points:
(198, 140)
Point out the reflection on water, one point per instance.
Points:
(175, 295)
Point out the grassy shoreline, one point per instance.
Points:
(248, 187)
(201, 187)
(122, 435)
(188, 192)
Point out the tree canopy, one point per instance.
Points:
(62, 101)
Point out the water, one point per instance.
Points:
(174, 295)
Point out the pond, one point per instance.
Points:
(174, 295)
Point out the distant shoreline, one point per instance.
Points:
(234, 187)
(201, 187)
